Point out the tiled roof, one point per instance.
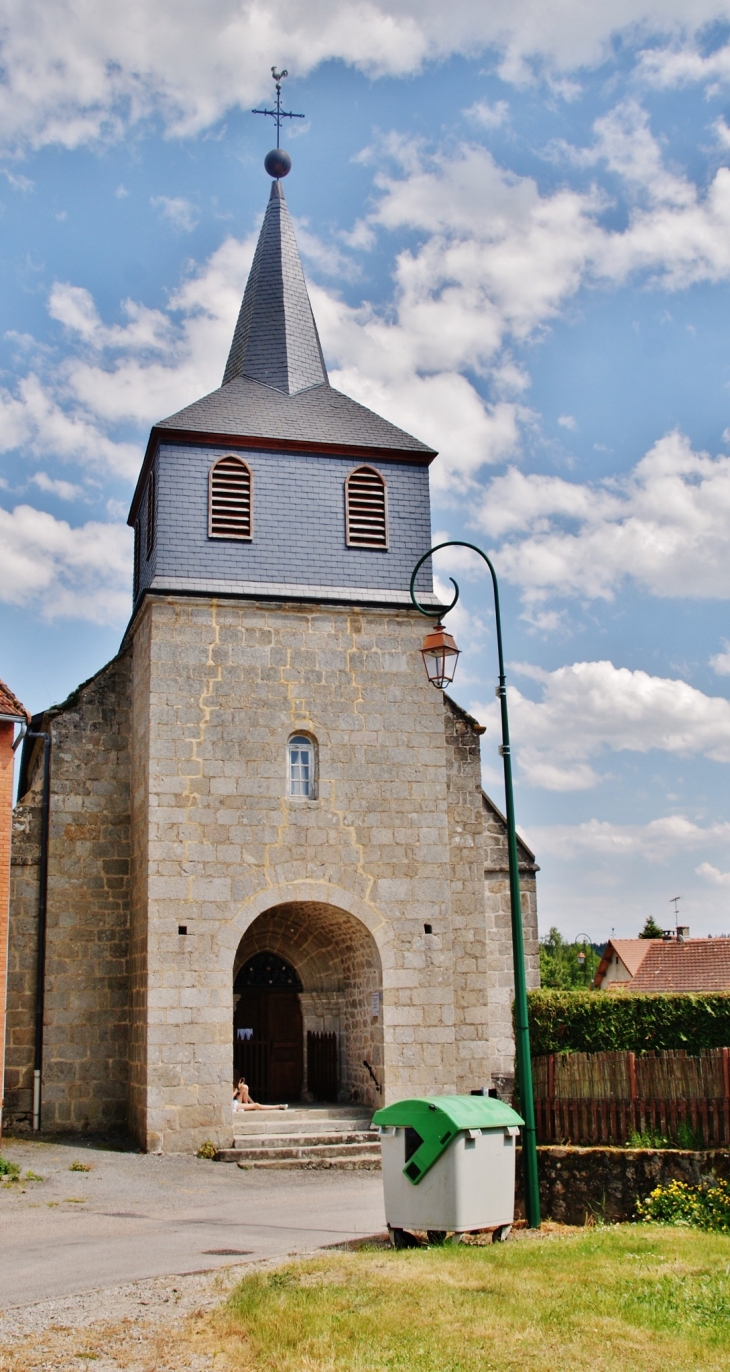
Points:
(247, 409)
(698, 964)
(10, 705)
(276, 339)
(631, 951)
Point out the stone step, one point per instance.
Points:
(290, 1148)
(310, 1112)
(354, 1160)
(335, 1138)
(284, 1125)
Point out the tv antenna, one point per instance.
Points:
(675, 902)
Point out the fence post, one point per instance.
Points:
(726, 1102)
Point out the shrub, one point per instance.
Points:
(80, 1167)
(9, 1169)
(702, 1207)
(600, 1022)
(684, 1137)
(207, 1150)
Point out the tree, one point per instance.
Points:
(651, 929)
(561, 968)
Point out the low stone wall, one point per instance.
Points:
(579, 1185)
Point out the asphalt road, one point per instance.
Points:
(133, 1216)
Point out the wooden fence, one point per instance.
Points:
(604, 1098)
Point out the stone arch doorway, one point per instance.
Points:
(327, 960)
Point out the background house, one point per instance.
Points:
(621, 960)
(677, 963)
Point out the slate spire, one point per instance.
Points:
(276, 340)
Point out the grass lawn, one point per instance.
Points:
(627, 1299)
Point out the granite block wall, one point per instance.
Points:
(384, 842)
(171, 813)
(85, 1059)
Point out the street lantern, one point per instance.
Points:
(440, 656)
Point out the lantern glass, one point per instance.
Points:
(440, 656)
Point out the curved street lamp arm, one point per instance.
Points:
(444, 609)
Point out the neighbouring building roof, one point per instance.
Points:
(630, 951)
(10, 706)
(697, 964)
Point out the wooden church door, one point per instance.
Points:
(268, 1032)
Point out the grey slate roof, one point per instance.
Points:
(276, 340)
(247, 409)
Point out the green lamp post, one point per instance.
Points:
(440, 656)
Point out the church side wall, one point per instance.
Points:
(85, 1051)
(500, 974)
(469, 933)
(139, 892)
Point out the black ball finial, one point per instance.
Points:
(277, 163)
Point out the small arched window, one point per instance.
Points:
(366, 511)
(230, 499)
(301, 766)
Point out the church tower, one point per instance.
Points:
(311, 885)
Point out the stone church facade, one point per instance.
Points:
(269, 845)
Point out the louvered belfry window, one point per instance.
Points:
(151, 513)
(366, 512)
(230, 499)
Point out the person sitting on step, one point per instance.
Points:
(242, 1099)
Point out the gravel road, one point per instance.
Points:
(137, 1242)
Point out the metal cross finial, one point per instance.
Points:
(278, 114)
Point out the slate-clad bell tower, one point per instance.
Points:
(315, 887)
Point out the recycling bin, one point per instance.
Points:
(448, 1165)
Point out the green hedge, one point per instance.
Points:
(601, 1021)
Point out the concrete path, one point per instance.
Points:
(136, 1216)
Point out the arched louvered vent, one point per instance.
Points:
(230, 499)
(365, 509)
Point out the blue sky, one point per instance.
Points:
(515, 223)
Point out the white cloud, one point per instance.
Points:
(179, 211)
(567, 421)
(62, 572)
(35, 421)
(590, 707)
(65, 490)
(658, 841)
(488, 116)
(683, 64)
(76, 73)
(625, 144)
(713, 874)
(720, 663)
(666, 524)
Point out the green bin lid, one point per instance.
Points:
(438, 1119)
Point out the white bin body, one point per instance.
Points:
(472, 1186)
